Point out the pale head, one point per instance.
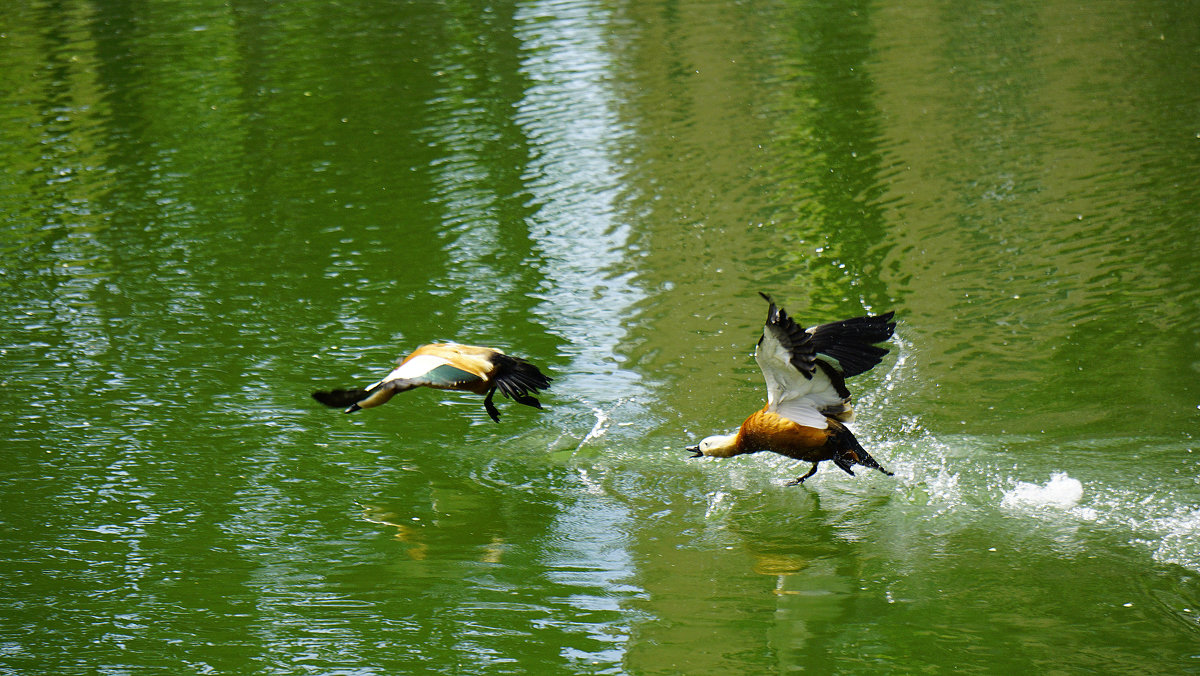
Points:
(716, 446)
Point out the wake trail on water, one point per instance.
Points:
(968, 480)
(980, 477)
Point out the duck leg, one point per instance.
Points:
(799, 481)
(490, 407)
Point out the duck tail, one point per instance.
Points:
(851, 453)
(340, 398)
(356, 400)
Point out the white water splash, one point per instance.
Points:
(598, 429)
(718, 505)
(1061, 492)
(1175, 538)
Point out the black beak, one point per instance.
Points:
(695, 451)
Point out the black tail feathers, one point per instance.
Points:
(340, 398)
(851, 453)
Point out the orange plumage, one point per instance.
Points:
(768, 431)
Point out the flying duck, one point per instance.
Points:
(807, 399)
(449, 366)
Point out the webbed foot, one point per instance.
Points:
(799, 481)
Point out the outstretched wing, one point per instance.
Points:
(340, 398)
(516, 378)
(797, 388)
(806, 370)
(850, 344)
(428, 370)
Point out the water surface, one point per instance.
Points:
(210, 210)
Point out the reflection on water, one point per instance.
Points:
(574, 179)
(209, 212)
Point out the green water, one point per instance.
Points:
(210, 209)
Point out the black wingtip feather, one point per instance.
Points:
(852, 341)
(516, 378)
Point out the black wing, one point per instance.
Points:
(851, 342)
(516, 378)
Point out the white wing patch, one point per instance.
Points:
(776, 366)
(789, 393)
(413, 368)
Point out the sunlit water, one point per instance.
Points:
(212, 211)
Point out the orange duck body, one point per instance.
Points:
(766, 431)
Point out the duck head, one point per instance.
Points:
(717, 446)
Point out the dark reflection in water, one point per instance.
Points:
(831, 226)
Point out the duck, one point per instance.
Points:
(449, 366)
(808, 404)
